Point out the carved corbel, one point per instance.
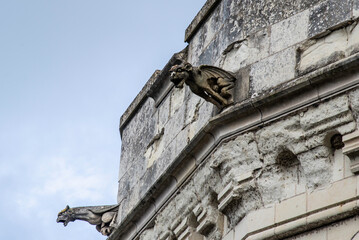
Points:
(351, 149)
(213, 84)
(234, 189)
(208, 217)
(186, 230)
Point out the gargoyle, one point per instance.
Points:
(213, 84)
(103, 217)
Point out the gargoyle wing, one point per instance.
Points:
(209, 72)
(103, 209)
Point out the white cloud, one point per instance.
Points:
(62, 179)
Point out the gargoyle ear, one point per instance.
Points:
(187, 66)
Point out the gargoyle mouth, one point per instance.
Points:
(60, 220)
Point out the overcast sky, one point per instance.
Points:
(68, 70)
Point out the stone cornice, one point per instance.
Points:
(290, 97)
(200, 18)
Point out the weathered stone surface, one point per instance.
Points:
(354, 103)
(198, 116)
(286, 133)
(211, 54)
(147, 234)
(326, 111)
(289, 31)
(355, 8)
(236, 157)
(177, 100)
(136, 136)
(239, 18)
(305, 4)
(337, 45)
(317, 167)
(245, 52)
(273, 70)
(241, 88)
(328, 14)
(163, 114)
(200, 17)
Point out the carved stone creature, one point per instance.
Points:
(103, 217)
(213, 84)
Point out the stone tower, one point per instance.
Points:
(279, 159)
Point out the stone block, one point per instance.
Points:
(303, 97)
(254, 221)
(338, 165)
(329, 196)
(331, 213)
(229, 236)
(241, 88)
(204, 113)
(212, 53)
(343, 230)
(177, 100)
(259, 14)
(290, 226)
(212, 25)
(272, 71)
(163, 113)
(286, 133)
(181, 140)
(324, 112)
(336, 45)
(245, 52)
(291, 208)
(289, 31)
(241, 122)
(260, 219)
(328, 14)
(136, 136)
(317, 234)
(347, 167)
(354, 102)
(134, 198)
(355, 9)
(317, 167)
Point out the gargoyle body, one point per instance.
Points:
(103, 217)
(213, 84)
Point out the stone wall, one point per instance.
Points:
(257, 169)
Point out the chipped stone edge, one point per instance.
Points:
(127, 115)
(156, 87)
(200, 147)
(200, 18)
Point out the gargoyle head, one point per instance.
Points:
(179, 73)
(65, 216)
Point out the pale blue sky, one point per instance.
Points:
(68, 70)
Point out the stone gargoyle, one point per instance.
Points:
(213, 84)
(103, 217)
